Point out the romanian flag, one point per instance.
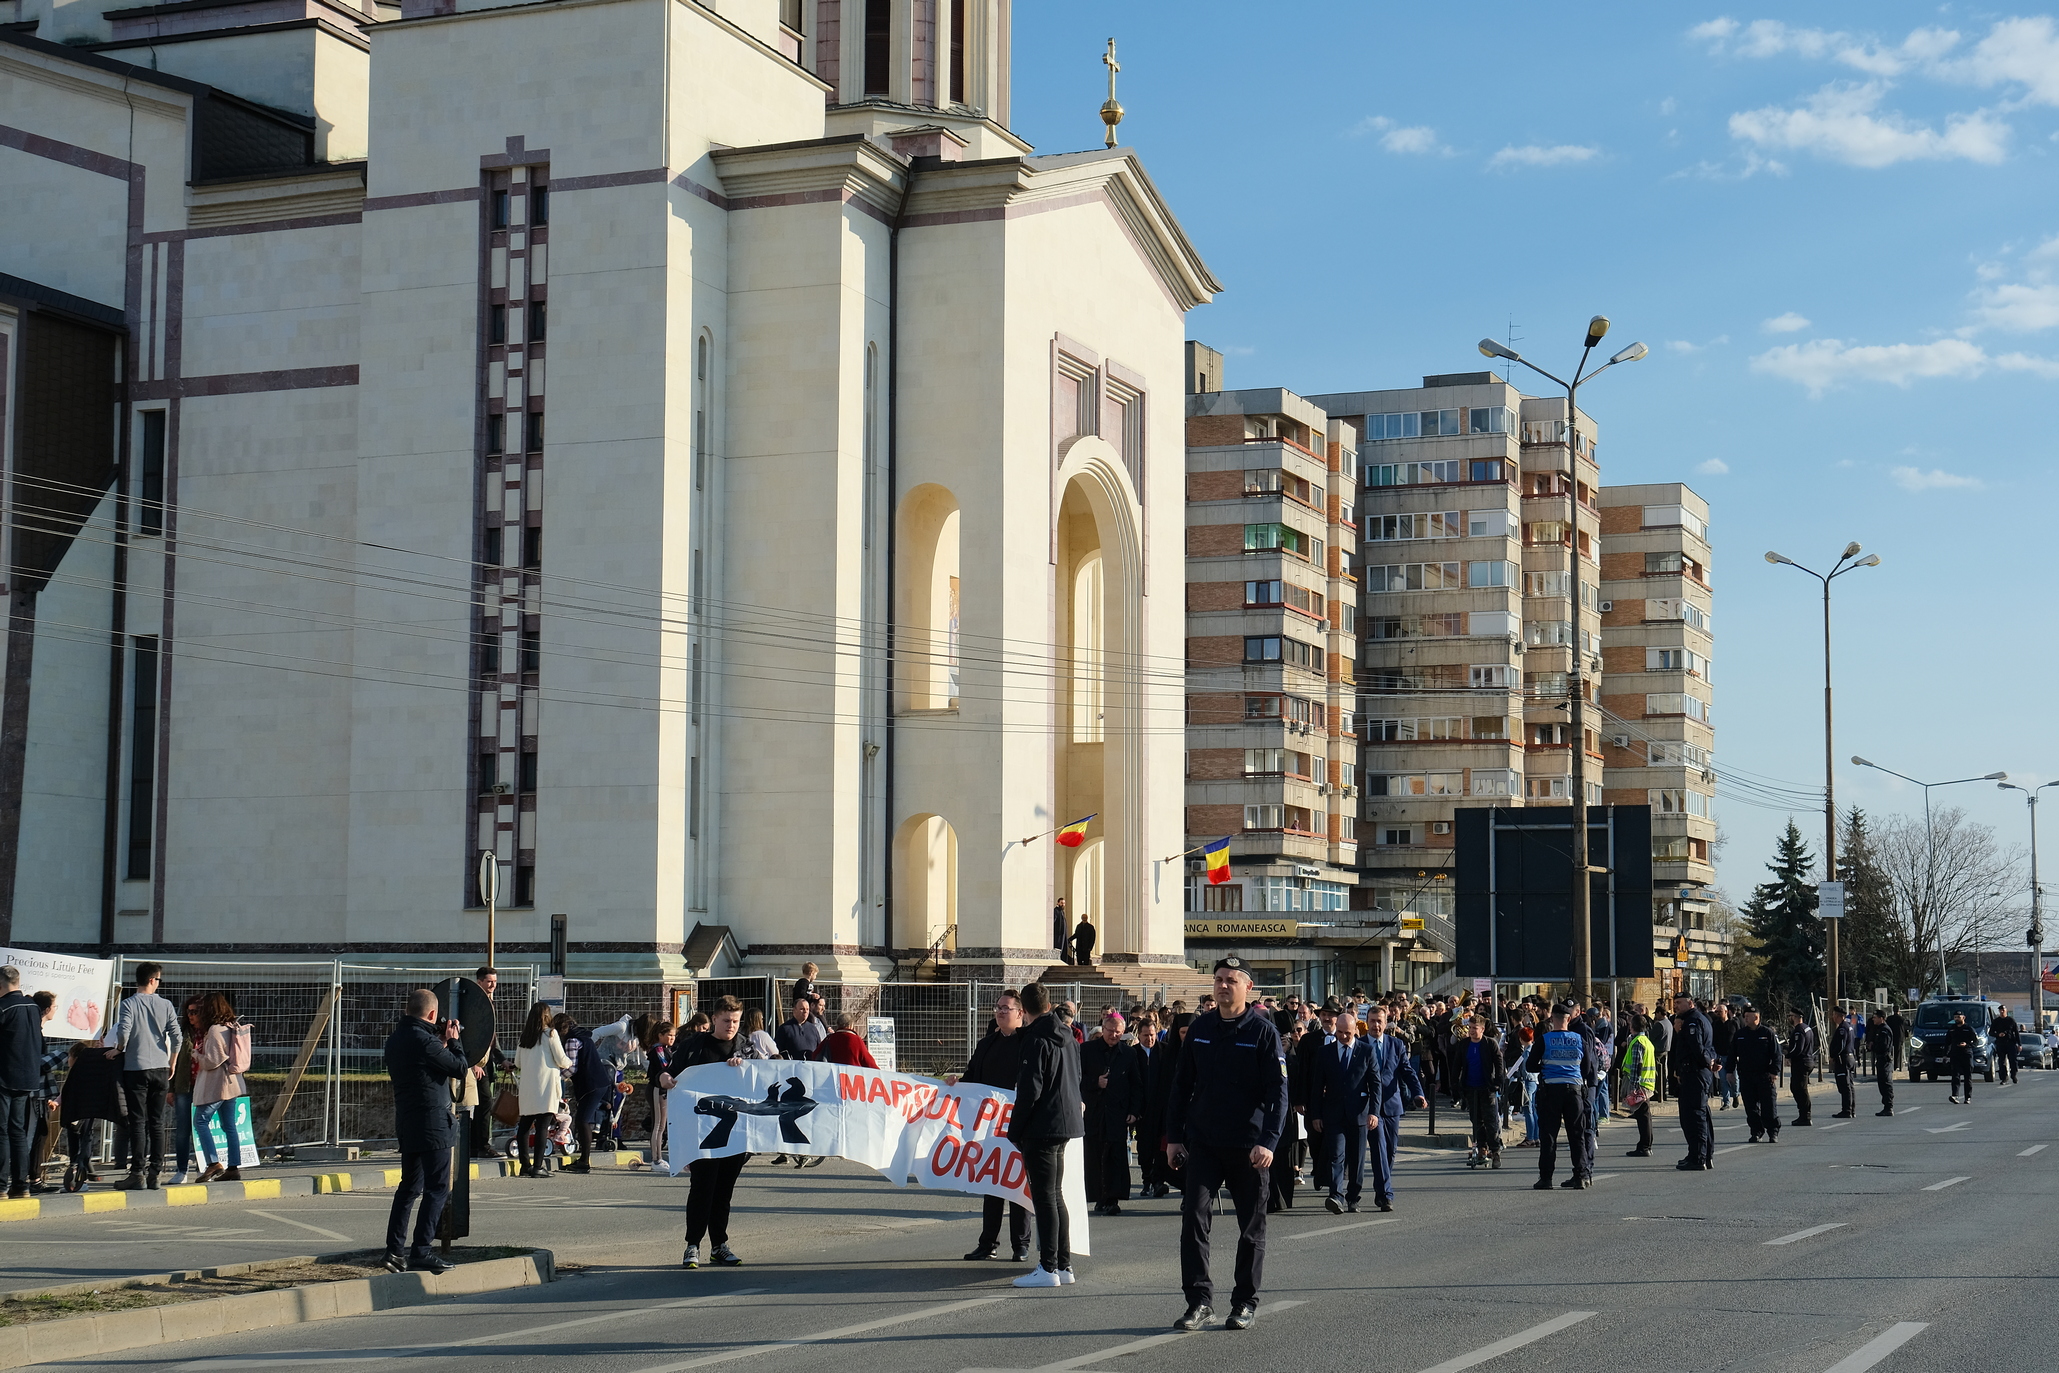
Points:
(1217, 856)
(1075, 834)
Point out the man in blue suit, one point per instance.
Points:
(1393, 1083)
(1341, 1102)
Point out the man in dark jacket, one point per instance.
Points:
(1165, 1058)
(593, 1092)
(423, 1061)
(1755, 1056)
(1726, 1076)
(21, 1077)
(1303, 1088)
(1112, 1086)
(1480, 1075)
(1880, 1048)
(1047, 1114)
(1339, 1103)
(997, 1062)
(713, 1179)
(1660, 1033)
(1083, 935)
(1694, 1052)
(1898, 1035)
(1801, 1061)
(1395, 1089)
(1959, 1042)
(1222, 1123)
(1843, 1049)
(803, 1031)
(2008, 1037)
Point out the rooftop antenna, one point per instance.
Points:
(1111, 110)
(1512, 340)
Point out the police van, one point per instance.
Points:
(1928, 1056)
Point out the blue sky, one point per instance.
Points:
(1838, 231)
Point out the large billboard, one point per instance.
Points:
(1514, 899)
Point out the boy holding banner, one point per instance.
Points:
(713, 1179)
(1048, 1113)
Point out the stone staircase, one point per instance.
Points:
(1108, 984)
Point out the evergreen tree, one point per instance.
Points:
(1870, 951)
(1782, 917)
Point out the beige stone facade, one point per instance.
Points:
(693, 450)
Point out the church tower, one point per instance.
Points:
(927, 77)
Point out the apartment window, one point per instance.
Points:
(1590, 596)
(1259, 762)
(1493, 419)
(878, 45)
(1675, 752)
(1547, 532)
(532, 432)
(1490, 524)
(532, 546)
(1390, 731)
(1261, 593)
(1488, 470)
(539, 206)
(1347, 829)
(491, 544)
(150, 482)
(1302, 711)
(1262, 648)
(1548, 788)
(1676, 703)
(1675, 660)
(500, 209)
(1398, 835)
(1286, 538)
(1547, 583)
(1495, 781)
(535, 319)
(1266, 481)
(1412, 473)
(1415, 627)
(489, 651)
(525, 773)
(1345, 513)
(1492, 574)
(1671, 847)
(1415, 784)
(532, 650)
(1261, 707)
(1491, 676)
(1548, 633)
(525, 884)
(496, 433)
(1490, 727)
(1297, 818)
(496, 324)
(1658, 564)
(1297, 654)
(693, 798)
(1546, 685)
(489, 772)
(1551, 734)
(1264, 817)
(1347, 774)
(1431, 524)
(790, 15)
(1675, 517)
(1347, 724)
(1347, 618)
(1412, 577)
(1404, 424)
(1685, 611)
(142, 754)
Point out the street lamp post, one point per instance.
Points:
(1843, 565)
(2036, 937)
(1576, 691)
(1930, 843)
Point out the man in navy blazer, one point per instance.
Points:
(1394, 1085)
(1341, 1101)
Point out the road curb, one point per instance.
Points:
(257, 1189)
(115, 1331)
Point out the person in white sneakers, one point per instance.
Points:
(1048, 1112)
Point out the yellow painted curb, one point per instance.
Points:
(191, 1195)
(22, 1208)
(392, 1177)
(260, 1188)
(105, 1201)
(332, 1182)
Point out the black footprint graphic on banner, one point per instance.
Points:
(789, 1107)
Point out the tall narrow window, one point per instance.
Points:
(693, 798)
(142, 756)
(957, 52)
(532, 436)
(500, 209)
(532, 546)
(536, 321)
(878, 44)
(539, 206)
(150, 479)
(700, 414)
(496, 433)
(693, 654)
(870, 444)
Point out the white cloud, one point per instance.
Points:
(1936, 479)
(1839, 123)
(2020, 52)
(1789, 323)
(1668, 106)
(1823, 363)
(2018, 307)
(1681, 345)
(1536, 155)
(1714, 467)
(1763, 38)
(1415, 139)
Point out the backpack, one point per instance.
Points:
(239, 1049)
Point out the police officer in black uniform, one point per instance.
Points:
(1842, 1048)
(1222, 1123)
(1756, 1058)
(1880, 1045)
(1801, 1061)
(1694, 1053)
(2008, 1037)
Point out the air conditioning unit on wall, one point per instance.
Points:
(1607, 606)
(1440, 827)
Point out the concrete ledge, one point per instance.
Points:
(115, 1331)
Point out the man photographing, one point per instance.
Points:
(423, 1059)
(1222, 1121)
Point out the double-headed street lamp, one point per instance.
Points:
(1930, 845)
(2036, 937)
(1583, 929)
(1845, 563)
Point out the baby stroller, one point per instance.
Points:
(92, 1091)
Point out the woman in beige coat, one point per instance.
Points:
(216, 1085)
(540, 1068)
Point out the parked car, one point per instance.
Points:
(2036, 1051)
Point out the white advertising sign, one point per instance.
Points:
(80, 984)
(879, 1039)
(953, 1138)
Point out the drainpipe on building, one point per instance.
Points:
(893, 522)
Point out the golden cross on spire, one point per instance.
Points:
(1111, 112)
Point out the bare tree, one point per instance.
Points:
(1949, 890)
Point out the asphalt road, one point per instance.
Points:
(1899, 1245)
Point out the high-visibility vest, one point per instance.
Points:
(1641, 1063)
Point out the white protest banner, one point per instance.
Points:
(948, 1137)
(80, 985)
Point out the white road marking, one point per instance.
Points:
(1340, 1229)
(1733, 1148)
(2034, 1149)
(1948, 1129)
(327, 1357)
(1948, 1182)
(1515, 1341)
(1879, 1347)
(1837, 1125)
(820, 1337)
(1133, 1347)
(1804, 1234)
(1909, 1110)
(301, 1224)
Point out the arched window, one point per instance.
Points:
(929, 595)
(926, 881)
(1089, 650)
